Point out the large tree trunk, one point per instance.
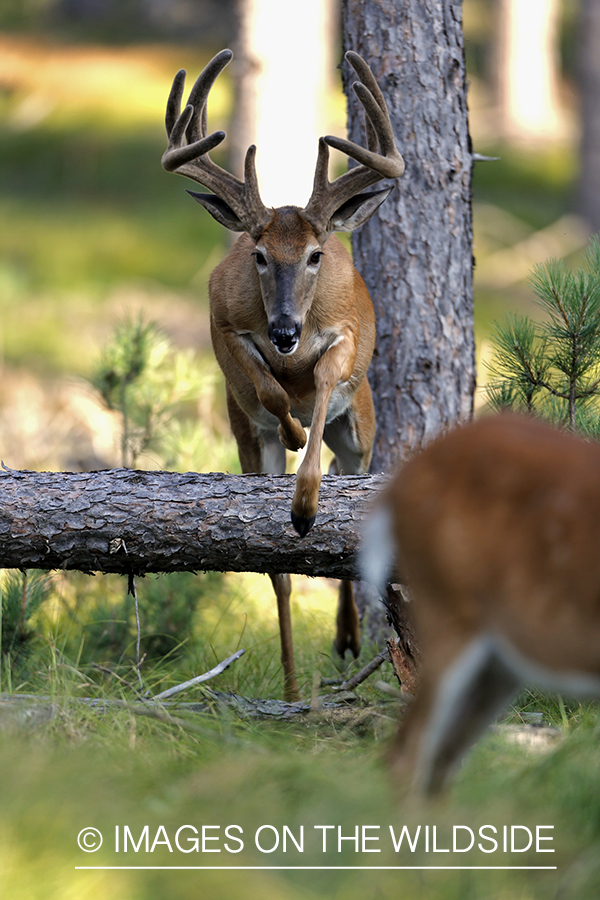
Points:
(415, 254)
(137, 522)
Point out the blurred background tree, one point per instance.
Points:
(274, 80)
(528, 70)
(589, 80)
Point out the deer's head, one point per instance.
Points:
(288, 242)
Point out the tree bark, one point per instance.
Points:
(134, 522)
(415, 254)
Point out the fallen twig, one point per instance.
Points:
(328, 682)
(361, 676)
(176, 689)
(390, 690)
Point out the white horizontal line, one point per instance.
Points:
(322, 868)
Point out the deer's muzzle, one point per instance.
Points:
(285, 335)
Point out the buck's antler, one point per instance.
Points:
(380, 159)
(189, 145)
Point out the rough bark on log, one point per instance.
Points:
(134, 522)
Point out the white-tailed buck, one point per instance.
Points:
(496, 529)
(292, 323)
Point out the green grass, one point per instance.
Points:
(114, 768)
(93, 206)
(110, 766)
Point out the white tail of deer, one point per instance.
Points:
(496, 529)
(292, 324)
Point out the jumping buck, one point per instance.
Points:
(496, 528)
(292, 323)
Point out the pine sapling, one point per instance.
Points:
(552, 367)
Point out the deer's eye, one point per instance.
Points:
(260, 259)
(315, 258)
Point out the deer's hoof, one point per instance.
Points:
(294, 439)
(302, 524)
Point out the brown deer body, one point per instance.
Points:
(292, 323)
(495, 527)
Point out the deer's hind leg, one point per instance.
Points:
(464, 683)
(264, 453)
(351, 436)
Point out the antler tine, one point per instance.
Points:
(178, 152)
(257, 210)
(366, 76)
(189, 145)
(174, 101)
(388, 162)
(200, 91)
(176, 157)
(380, 159)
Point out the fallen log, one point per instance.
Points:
(133, 522)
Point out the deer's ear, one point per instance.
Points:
(357, 210)
(219, 210)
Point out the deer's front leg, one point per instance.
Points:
(270, 393)
(335, 366)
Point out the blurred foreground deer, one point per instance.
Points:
(496, 529)
(292, 324)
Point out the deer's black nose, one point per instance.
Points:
(285, 335)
